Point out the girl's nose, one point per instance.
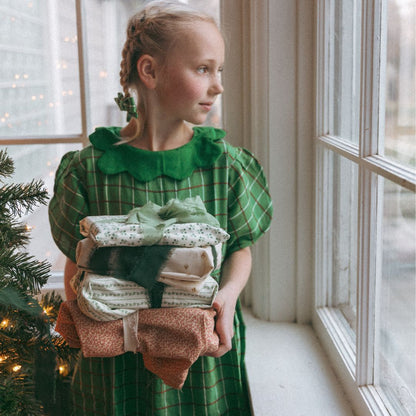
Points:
(216, 86)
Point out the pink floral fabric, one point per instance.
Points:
(170, 339)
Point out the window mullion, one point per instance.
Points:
(321, 121)
(368, 270)
(369, 195)
(329, 54)
(83, 70)
(324, 180)
(370, 78)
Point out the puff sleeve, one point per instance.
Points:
(69, 204)
(250, 206)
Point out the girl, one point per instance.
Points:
(172, 59)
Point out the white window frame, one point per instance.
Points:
(354, 363)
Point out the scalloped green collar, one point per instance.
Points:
(145, 165)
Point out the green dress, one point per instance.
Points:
(106, 179)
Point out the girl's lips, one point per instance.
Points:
(206, 106)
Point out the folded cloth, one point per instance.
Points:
(112, 230)
(170, 340)
(146, 264)
(104, 298)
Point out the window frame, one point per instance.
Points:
(354, 363)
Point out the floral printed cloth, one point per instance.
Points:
(105, 298)
(178, 223)
(170, 339)
(112, 230)
(190, 264)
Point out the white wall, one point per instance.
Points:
(268, 107)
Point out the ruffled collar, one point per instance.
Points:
(145, 165)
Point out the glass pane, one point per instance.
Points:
(344, 69)
(39, 162)
(39, 77)
(396, 356)
(105, 43)
(343, 291)
(400, 115)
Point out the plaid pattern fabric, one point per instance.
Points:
(235, 191)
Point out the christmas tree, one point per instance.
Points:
(34, 360)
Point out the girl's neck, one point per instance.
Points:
(160, 137)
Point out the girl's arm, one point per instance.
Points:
(235, 274)
(69, 273)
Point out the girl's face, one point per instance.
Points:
(190, 81)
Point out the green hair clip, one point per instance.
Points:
(126, 104)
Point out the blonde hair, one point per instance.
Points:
(152, 31)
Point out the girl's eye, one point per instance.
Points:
(202, 69)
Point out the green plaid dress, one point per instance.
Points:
(104, 179)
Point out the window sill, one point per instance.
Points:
(289, 373)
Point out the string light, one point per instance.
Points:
(48, 310)
(3, 358)
(63, 370)
(4, 323)
(16, 368)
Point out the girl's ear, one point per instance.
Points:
(146, 69)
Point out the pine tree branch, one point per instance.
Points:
(12, 233)
(22, 271)
(6, 164)
(20, 199)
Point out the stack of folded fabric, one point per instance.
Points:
(154, 257)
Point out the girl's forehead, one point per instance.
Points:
(199, 36)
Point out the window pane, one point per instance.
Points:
(344, 70)
(344, 236)
(400, 114)
(396, 365)
(39, 76)
(106, 24)
(39, 162)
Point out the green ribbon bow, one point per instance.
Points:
(126, 104)
(154, 218)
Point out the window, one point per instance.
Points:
(58, 79)
(365, 198)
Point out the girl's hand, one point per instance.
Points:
(224, 325)
(235, 273)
